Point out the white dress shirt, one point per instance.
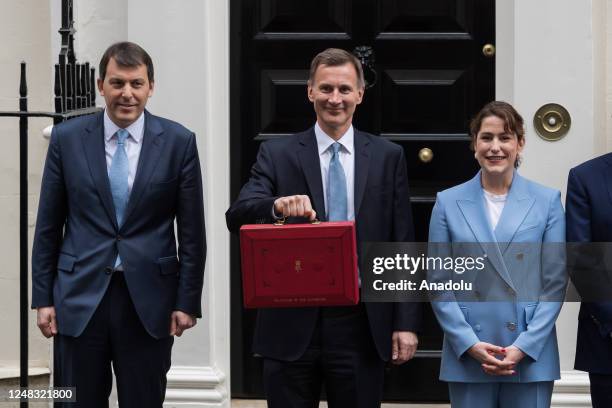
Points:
(132, 146)
(347, 159)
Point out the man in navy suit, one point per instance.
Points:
(331, 172)
(107, 279)
(589, 219)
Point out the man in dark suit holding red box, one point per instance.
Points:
(332, 172)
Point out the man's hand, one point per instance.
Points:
(403, 346)
(181, 321)
(45, 319)
(485, 354)
(295, 206)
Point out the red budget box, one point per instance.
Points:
(297, 265)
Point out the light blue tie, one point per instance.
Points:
(336, 188)
(118, 176)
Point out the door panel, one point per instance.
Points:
(277, 116)
(425, 16)
(428, 76)
(299, 19)
(423, 101)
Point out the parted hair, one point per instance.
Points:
(513, 122)
(334, 57)
(127, 54)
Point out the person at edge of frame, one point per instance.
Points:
(588, 207)
(334, 172)
(108, 281)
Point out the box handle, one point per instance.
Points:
(281, 221)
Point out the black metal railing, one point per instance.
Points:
(74, 95)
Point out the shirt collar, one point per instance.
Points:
(135, 130)
(324, 141)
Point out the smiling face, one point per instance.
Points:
(335, 93)
(125, 91)
(496, 149)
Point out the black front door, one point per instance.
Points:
(427, 75)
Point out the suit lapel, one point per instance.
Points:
(152, 144)
(362, 163)
(473, 210)
(308, 155)
(517, 206)
(93, 143)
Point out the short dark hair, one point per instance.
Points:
(513, 122)
(334, 57)
(126, 54)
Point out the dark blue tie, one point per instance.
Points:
(336, 187)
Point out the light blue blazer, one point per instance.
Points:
(514, 260)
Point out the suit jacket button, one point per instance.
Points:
(511, 326)
(108, 270)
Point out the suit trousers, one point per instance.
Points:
(501, 395)
(341, 357)
(114, 335)
(601, 390)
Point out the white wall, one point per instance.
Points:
(98, 25)
(25, 25)
(552, 51)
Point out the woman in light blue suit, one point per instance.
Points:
(502, 353)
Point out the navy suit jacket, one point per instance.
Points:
(77, 237)
(290, 165)
(589, 219)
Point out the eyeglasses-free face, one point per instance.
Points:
(335, 94)
(126, 91)
(495, 149)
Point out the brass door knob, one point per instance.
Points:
(488, 50)
(426, 155)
